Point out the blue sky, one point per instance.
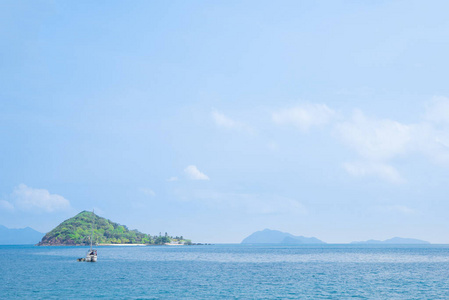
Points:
(215, 119)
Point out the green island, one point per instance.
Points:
(78, 230)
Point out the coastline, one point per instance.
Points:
(120, 245)
(98, 245)
(123, 245)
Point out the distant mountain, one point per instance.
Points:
(395, 240)
(268, 236)
(21, 236)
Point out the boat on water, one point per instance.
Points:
(91, 255)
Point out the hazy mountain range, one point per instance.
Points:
(22, 236)
(395, 240)
(28, 235)
(269, 236)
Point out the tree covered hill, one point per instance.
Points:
(78, 230)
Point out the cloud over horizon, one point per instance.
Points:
(6, 205)
(304, 116)
(382, 170)
(35, 200)
(437, 110)
(372, 139)
(193, 173)
(223, 121)
(377, 142)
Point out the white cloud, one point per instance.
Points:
(381, 170)
(148, 192)
(374, 139)
(30, 199)
(193, 173)
(438, 110)
(174, 178)
(305, 116)
(225, 122)
(5, 205)
(432, 142)
(376, 142)
(431, 137)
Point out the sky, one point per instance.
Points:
(216, 119)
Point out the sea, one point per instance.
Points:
(227, 272)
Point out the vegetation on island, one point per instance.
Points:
(78, 231)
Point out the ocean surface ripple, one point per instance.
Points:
(227, 271)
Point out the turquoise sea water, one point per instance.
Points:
(226, 271)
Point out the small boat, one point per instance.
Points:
(91, 255)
